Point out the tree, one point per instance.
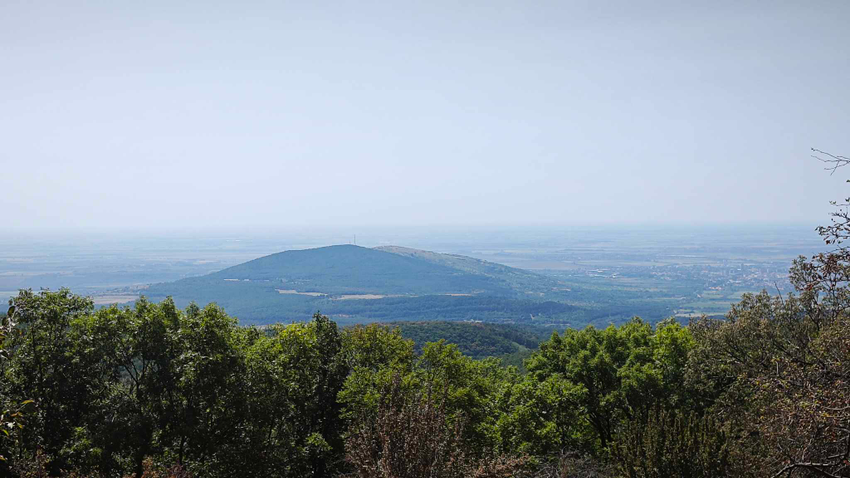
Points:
(412, 435)
(210, 368)
(621, 371)
(776, 371)
(293, 378)
(541, 418)
(11, 411)
(373, 354)
(44, 366)
(135, 352)
(671, 442)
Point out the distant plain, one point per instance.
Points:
(653, 272)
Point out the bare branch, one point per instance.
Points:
(836, 161)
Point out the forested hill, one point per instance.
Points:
(475, 339)
(348, 269)
(358, 284)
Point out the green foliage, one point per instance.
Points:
(12, 413)
(621, 371)
(411, 435)
(374, 346)
(374, 355)
(666, 443)
(191, 387)
(44, 365)
(294, 376)
(120, 391)
(775, 372)
(115, 386)
(540, 418)
(475, 339)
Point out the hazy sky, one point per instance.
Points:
(219, 114)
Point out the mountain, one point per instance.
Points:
(353, 270)
(358, 284)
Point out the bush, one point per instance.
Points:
(671, 443)
(411, 436)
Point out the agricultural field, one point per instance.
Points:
(605, 274)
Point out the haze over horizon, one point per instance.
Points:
(218, 115)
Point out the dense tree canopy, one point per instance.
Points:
(121, 391)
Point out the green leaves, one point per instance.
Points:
(103, 390)
(620, 370)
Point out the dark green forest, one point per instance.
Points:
(474, 339)
(510, 343)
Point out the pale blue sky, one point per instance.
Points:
(276, 114)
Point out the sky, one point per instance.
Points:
(147, 115)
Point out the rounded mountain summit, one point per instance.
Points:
(359, 284)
